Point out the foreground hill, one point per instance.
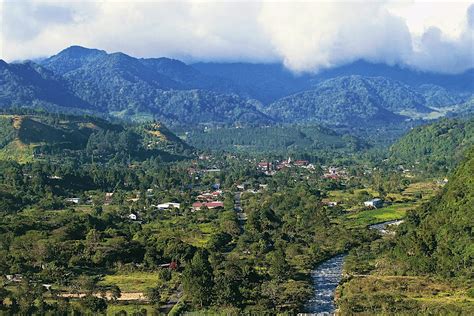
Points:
(26, 137)
(437, 238)
(435, 147)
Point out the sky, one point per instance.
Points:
(306, 36)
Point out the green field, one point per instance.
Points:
(130, 309)
(133, 281)
(389, 213)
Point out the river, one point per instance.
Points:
(326, 278)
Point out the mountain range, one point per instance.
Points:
(87, 80)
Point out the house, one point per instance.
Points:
(264, 166)
(108, 198)
(165, 206)
(210, 205)
(374, 203)
(211, 170)
(205, 196)
(74, 200)
(14, 277)
(301, 163)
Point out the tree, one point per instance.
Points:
(153, 295)
(227, 285)
(115, 292)
(94, 304)
(279, 268)
(197, 279)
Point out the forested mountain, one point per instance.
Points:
(26, 137)
(161, 88)
(273, 81)
(30, 84)
(264, 82)
(437, 238)
(79, 79)
(435, 147)
(352, 100)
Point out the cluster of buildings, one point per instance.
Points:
(270, 168)
(210, 200)
(334, 173)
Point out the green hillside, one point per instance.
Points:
(437, 238)
(426, 268)
(435, 147)
(26, 137)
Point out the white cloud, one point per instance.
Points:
(306, 36)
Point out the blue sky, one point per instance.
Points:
(306, 36)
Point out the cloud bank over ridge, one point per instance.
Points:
(305, 36)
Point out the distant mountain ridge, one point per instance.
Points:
(349, 98)
(80, 79)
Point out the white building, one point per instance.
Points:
(165, 206)
(374, 203)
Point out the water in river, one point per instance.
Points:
(326, 278)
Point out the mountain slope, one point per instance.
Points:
(264, 82)
(435, 147)
(350, 100)
(269, 82)
(189, 77)
(29, 84)
(155, 88)
(71, 58)
(437, 238)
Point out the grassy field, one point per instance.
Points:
(403, 295)
(133, 281)
(130, 309)
(389, 213)
(17, 151)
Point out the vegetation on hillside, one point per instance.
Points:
(428, 266)
(436, 147)
(87, 137)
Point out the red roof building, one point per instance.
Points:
(209, 205)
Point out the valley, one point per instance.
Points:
(150, 186)
(114, 217)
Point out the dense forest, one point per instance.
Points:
(284, 139)
(436, 147)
